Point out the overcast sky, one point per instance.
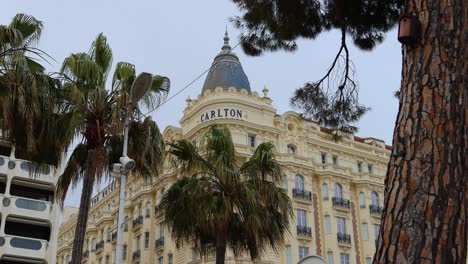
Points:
(179, 39)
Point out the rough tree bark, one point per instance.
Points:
(425, 216)
(80, 231)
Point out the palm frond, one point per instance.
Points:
(73, 172)
(29, 27)
(101, 53)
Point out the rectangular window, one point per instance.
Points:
(370, 168)
(301, 217)
(137, 243)
(160, 260)
(365, 231)
(161, 230)
(251, 140)
(303, 252)
(100, 260)
(169, 259)
(124, 252)
(341, 225)
(327, 224)
(335, 160)
(288, 255)
(324, 157)
(376, 231)
(368, 260)
(107, 259)
(147, 239)
(344, 258)
(194, 254)
(359, 166)
(330, 257)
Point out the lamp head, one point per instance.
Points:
(127, 163)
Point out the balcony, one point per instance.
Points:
(344, 239)
(375, 210)
(159, 243)
(24, 169)
(99, 246)
(341, 203)
(304, 232)
(25, 247)
(137, 222)
(302, 195)
(157, 210)
(136, 256)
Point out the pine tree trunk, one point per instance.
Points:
(221, 242)
(426, 198)
(80, 231)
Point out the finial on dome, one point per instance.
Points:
(226, 47)
(265, 91)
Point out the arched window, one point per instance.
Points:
(148, 209)
(299, 183)
(338, 191)
(102, 234)
(137, 211)
(291, 149)
(93, 245)
(68, 259)
(325, 191)
(362, 200)
(374, 198)
(285, 182)
(126, 224)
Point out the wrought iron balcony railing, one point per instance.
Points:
(304, 231)
(341, 203)
(344, 238)
(137, 221)
(158, 243)
(301, 194)
(100, 245)
(136, 255)
(375, 209)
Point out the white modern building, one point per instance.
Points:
(29, 216)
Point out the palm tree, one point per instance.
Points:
(97, 114)
(222, 204)
(28, 95)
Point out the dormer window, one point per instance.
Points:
(291, 149)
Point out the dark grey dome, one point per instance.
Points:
(226, 71)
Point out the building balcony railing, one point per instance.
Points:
(136, 256)
(375, 209)
(99, 245)
(304, 231)
(344, 238)
(341, 203)
(159, 243)
(24, 169)
(137, 222)
(86, 254)
(29, 247)
(25, 206)
(302, 195)
(157, 210)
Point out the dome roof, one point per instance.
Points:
(226, 71)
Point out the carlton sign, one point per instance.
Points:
(220, 114)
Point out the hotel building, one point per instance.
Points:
(336, 187)
(29, 217)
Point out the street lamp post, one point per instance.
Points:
(119, 170)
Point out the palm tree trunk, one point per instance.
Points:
(221, 242)
(82, 220)
(426, 199)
